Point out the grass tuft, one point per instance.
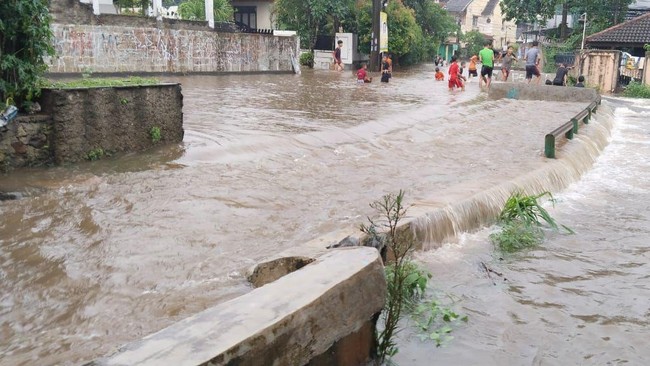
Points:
(103, 82)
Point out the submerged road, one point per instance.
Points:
(104, 253)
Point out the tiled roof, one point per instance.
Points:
(636, 31)
(457, 6)
(489, 8)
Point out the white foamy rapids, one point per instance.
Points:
(575, 157)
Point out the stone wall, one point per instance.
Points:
(321, 314)
(26, 141)
(111, 43)
(75, 123)
(118, 119)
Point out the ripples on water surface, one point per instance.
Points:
(577, 300)
(104, 253)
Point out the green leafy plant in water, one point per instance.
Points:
(435, 322)
(156, 134)
(516, 236)
(522, 218)
(124, 101)
(95, 154)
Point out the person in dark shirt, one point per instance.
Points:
(581, 82)
(561, 75)
(338, 64)
(385, 69)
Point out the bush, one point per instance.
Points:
(516, 236)
(637, 90)
(521, 220)
(25, 38)
(307, 59)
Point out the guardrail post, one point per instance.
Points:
(588, 116)
(569, 134)
(575, 126)
(549, 146)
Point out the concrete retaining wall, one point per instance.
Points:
(78, 122)
(321, 314)
(542, 92)
(127, 44)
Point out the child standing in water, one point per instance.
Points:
(362, 75)
(506, 63)
(439, 75)
(385, 69)
(454, 75)
(472, 67)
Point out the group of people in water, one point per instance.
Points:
(486, 57)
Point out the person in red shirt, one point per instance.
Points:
(362, 75)
(454, 75)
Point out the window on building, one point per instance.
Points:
(246, 15)
(475, 22)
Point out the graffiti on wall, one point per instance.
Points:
(82, 48)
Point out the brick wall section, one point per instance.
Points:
(127, 44)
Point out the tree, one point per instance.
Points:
(601, 13)
(143, 5)
(474, 42)
(25, 39)
(310, 17)
(436, 23)
(195, 10)
(405, 38)
(527, 11)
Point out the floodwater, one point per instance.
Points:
(578, 299)
(103, 253)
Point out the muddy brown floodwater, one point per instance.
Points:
(103, 253)
(578, 299)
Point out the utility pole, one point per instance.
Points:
(584, 30)
(374, 42)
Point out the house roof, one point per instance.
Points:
(457, 6)
(635, 31)
(489, 8)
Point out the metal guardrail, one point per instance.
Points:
(569, 129)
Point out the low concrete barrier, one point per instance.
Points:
(321, 314)
(542, 92)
